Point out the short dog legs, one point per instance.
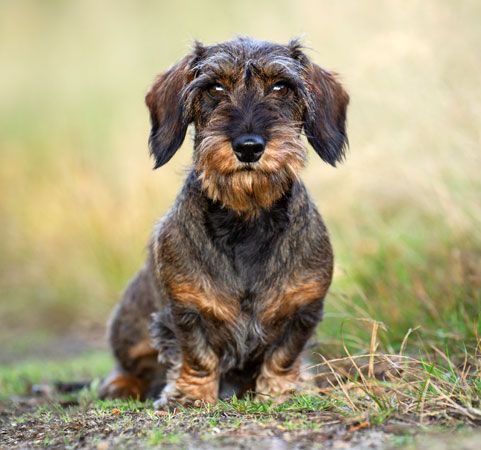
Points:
(190, 385)
(280, 370)
(196, 377)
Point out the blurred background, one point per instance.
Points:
(79, 198)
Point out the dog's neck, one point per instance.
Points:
(244, 239)
(247, 193)
(293, 203)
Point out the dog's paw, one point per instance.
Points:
(274, 398)
(120, 385)
(276, 389)
(168, 397)
(171, 397)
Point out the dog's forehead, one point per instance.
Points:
(234, 57)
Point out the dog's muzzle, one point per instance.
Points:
(248, 148)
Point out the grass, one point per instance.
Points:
(353, 394)
(78, 200)
(18, 378)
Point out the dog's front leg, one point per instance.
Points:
(281, 367)
(195, 378)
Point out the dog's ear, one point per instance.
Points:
(325, 115)
(168, 116)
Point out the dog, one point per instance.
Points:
(238, 269)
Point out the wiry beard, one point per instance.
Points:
(248, 188)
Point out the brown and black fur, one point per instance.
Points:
(237, 270)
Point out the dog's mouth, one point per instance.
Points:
(247, 167)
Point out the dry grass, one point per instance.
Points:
(373, 401)
(378, 387)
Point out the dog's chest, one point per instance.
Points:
(247, 335)
(248, 244)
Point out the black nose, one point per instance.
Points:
(249, 147)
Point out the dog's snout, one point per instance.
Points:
(249, 147)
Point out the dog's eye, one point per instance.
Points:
(280, 88)
(216, 90)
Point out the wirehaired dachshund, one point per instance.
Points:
(238, 268)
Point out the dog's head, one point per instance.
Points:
(249, 102)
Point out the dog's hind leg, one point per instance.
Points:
(137, 373)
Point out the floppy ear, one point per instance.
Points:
(168, 117)
(325, 115)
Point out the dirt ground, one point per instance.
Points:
(33, 422)
(30, 423)
(39, 416)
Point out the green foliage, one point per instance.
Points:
(159, 437)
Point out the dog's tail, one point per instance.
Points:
(60, 387)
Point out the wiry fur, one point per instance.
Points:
(239, 267)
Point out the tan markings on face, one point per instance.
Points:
(216, 154)
(285, 151)
(246, 189)
(295, 294)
